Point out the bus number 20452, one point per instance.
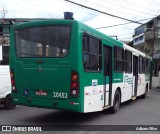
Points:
(60, 95)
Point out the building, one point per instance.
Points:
(147, 40)
(4, 35)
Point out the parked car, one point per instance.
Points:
(5, 83)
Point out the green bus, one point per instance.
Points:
(66, 65)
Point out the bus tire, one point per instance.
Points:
(116, 102)
(145, 94)
(8, 103)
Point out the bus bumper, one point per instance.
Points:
(72, 104)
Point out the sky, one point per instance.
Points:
(134, 10)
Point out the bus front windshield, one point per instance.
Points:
(50, 41)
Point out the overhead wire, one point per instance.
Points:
(121, 24)
(115, 9)
(154, 8)
(125, 7)
(131, 3)
(108, 7)
(149, 8)
(112, 15)
(102, 12)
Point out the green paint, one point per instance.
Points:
(54, 74)
(118, 78)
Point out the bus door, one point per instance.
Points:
(135, 75)
(107, 75)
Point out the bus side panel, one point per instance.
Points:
(117, 85)
(93, 98)
(141, 84)
(127, 88)
(91, 83)
(122, 82)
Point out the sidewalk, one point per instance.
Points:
(155, 89)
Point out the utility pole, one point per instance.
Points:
(3, 12)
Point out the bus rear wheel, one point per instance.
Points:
(8, 103)
(116, 102)
(145, 94)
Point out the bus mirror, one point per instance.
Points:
(1, 53)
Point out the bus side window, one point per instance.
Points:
(128, 61)
(118, 59)
(141, 66)
(92, 53)
(85, 49)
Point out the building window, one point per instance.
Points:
(141, 38)
(1, 31)
(139, 30)
(118, 59)
(92, 53)
(136, 40)
(142, 65)
(128, 61)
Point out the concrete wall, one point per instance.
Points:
(156, 81)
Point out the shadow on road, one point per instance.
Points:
(64, 118)
(72, 118)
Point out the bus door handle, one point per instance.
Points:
(39, 61)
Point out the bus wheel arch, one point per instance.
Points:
(119, 89)
(116, 101)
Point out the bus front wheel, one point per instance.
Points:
(116, 102)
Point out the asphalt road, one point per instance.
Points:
(138, 112)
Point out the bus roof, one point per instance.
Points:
(84, 27)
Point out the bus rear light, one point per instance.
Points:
(13, 81)
(74, 92)
(74, 86)
(71, 103)
(74, 77)
(13, 88)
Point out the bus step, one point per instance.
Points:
(106, 107)
(133, 97)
